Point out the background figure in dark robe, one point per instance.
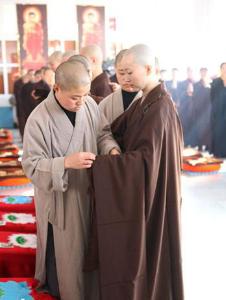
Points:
(137, 194)
(43, 86)
(218, 113)
(186, 89)
(100, 85)
(18, 84)
(33, 93)
(27, 103)
(201, 125)
(172, 87)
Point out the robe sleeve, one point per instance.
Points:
(45, 172)
(105, 140)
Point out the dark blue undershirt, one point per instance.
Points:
(127, 98)
(70, 114)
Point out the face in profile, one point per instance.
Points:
(223, 70)
(134, 74)
(72, 99)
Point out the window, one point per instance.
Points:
(9, 65)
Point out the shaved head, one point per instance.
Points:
(142, 54)
(92, 52)
(71, 75)
(119, 56)
(81, 59)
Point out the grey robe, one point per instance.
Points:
(61, 196)
(112, 105)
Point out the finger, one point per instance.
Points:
(86, 166)
(88, 161)
(89, 155)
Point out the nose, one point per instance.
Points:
(127, 78)
(80, 100)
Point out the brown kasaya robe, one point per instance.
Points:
(137, 204)
(100, 87)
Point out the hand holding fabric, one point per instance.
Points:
(79, 160)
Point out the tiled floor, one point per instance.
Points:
(204, 236)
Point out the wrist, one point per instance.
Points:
(66, 163)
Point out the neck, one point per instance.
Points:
(223, 77)
(149, 87)
(96, 71)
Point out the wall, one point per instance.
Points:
(183, 32)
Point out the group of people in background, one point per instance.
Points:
(200, 104)
(202, 108)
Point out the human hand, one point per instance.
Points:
(115, 86)
(79, 160)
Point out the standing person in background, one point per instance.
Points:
(42, 87)
(100, 87)
(186, 89)
(172, 87)
(62, 137)
(201, 112)
(18, 85)
(218, 113)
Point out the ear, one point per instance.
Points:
(148, 69)
(93, 59)
(56, 87)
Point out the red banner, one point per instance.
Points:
(32, 25)
(91, 26)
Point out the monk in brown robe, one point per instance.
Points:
(137, 195)
(100, 85)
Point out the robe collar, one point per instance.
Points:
(63, 124)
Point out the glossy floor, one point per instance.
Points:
(204, 236)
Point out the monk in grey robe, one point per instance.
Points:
(62, 137)
(122, 98)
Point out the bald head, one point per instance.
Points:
(138, 65)
(142, 55)
(81, 59)
(71, 75)
(119, 56)
(93, 53)
(55, 59)
(68, 54)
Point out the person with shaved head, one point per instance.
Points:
(137, 242)
(122, 98)
(100, 85)
(62, 137)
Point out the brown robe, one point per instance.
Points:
(100, 87)
(137, 199)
